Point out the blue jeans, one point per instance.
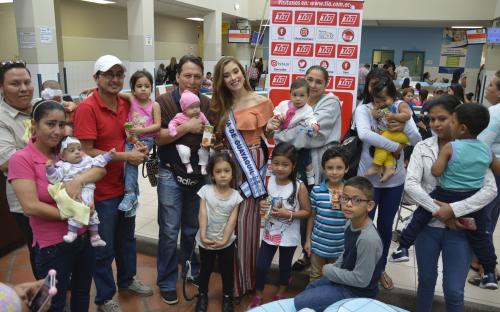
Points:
(178, 208)
(387, 203)
(118, 232)
(131, 171)
(456, 257)
(73, 263)
(321, 294)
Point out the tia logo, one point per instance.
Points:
(347, 51)
(281, 48)
(327, 18)
(279, 81)
(325, 50)
(303, 49)
(304, 17)
(345, 83)
(349, 19)
(282, 17)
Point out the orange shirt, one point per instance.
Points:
(250, 121)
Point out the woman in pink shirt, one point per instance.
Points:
(27, 175)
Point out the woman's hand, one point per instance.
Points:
(395, 126)
(207, 242)
(444, 212)
(26, 292)
(74, 188)
(454, 224)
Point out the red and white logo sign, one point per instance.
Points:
(304, 31)
(297, 76)
(346, 65)
(349, 19)
(281, 48)
(325, 50)
(327, 18)
(302, 63)
(282, 17)
(348, 35)
(280, 80)
(303, 49)
(305, 17)
(281, 31)
(344, 83)
(347, 51)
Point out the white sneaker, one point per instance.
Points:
(70, 237)
(109, 306)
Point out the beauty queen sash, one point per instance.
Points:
(254, 185)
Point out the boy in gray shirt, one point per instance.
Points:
(357, 271)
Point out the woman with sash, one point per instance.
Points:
(240, 118)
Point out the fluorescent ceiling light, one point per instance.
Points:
(100, 1)
(197, 19)
(466, 27)
(6, 1)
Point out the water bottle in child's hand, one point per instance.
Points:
(131, 138)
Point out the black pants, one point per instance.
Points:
(480, 240)
(24, 224)
(225, 259)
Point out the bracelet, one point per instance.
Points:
(291, 216)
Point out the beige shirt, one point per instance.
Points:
(11, 134)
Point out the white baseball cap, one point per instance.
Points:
(105, 62)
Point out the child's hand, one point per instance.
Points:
(307, 247)
(282, 213)
(207, 242)
(376, 112)
(218, 243)
(315, 128)
(136, 130)
(389, 116)
(92, 208)
(49, 163)
(264, 206)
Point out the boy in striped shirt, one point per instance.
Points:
(326, 226)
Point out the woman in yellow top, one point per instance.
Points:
(241, 116)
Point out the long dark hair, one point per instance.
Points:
(458, 91)
(288, 150)
(374, 74)
(218, 157)
(139, 74)
(43, 107)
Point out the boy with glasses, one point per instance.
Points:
(357, 272)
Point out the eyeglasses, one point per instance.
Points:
(354, 200)
(111, 75)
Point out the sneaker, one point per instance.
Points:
(256, 301)
(202, 303)
(109, 306)
(139, 289)
(399, 255)
(128, 201)
(227, 304)
(301, 264)
(169, 296)
(489, 281)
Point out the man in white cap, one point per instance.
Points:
(99, 124)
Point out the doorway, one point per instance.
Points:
(414, 60)
(380, 56)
